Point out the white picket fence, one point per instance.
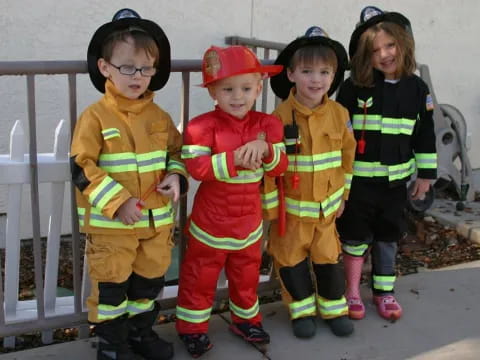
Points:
(53, 169)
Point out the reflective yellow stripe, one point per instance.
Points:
(277, 150)
(245, 177)
(332, 308)
(174, 165)
(135, 307)
(302, 308)
(161, 216)
(81, 215)
(291, 141)
(375, 169)
(193, 316)
(129, 161)
(104, 192)
(98, 220)
(317, 162)
(110, 133)
(401, 171)
(193, 151)
(119, 162)
(312, 208)
(244, 313)
(303, 208)
(270, 200)
(333, 202)
(108, 312)
(367, 122)
(369, 169)
(355, 250)
(396, 126)
(426, 161)
(383, 282)
(348, 181)
(226, 243)
(220, 167)
(164, 215)
(151, 161)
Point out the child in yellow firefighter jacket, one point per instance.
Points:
(320, 148)
(125, 162)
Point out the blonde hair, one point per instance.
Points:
(361, 62)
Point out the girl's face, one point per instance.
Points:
(312, 82)
(385, 55)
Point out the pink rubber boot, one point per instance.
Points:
(388, 307)
(353, 274)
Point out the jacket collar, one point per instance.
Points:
(115, 98)
(302, 109)
(226, 116)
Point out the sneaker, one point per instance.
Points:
(388, 307)
(304, 327)
(197, 344)
(356, 308)
(340, 326)
(253, 333)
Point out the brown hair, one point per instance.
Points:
(312, 53)
(141, 41)
(361, 62)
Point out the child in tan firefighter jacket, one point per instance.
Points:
(125, 160)
(392, 114)
(320, 148)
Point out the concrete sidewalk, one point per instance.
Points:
(441, 321)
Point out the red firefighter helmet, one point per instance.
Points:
(219, 63)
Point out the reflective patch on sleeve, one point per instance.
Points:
(429, 103)
(349, 126)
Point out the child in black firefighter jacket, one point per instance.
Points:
(391, 110)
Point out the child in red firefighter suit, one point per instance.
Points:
(124, 148)
(391, 110)
(229, 150)
(320, 148)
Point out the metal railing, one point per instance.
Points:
(78, 318)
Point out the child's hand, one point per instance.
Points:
(128, 212)
(340, 209)
(239, 161)
(420, 187)
(170, 186)
(253, 152)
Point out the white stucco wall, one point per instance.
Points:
(445, 33)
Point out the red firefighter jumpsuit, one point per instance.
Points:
(225, 227)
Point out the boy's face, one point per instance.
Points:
(236, 94)
(124, 53)
(312, 82)
(384, 56)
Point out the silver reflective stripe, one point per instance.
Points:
(105, 190)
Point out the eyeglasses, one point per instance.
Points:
(146, 71)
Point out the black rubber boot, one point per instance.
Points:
(340, 326)
(112, 340)
(304, 327)
(144, 341)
